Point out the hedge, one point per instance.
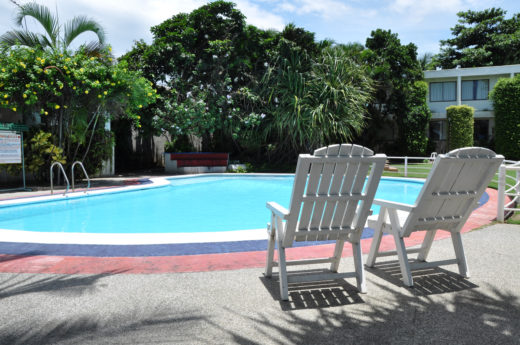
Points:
(506, 102)
(460, 126)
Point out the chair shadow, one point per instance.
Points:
(426, 281)
(314, 295)
(13, 257)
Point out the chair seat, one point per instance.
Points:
(372, 220)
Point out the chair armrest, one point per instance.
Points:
(393, 204)
(277, 209)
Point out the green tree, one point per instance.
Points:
(313, 100)
(205, 64)
(416, 120)
(425, 60)
(56, 37)
(481, 38)
(395, 69)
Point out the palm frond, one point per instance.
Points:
(78, 25)
(29, 39)
(43, 16)
(93, 49)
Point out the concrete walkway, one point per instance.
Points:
(241, 307)
(96, 182)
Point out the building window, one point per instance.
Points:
(442, 92)
(438, 130)
(475, 89)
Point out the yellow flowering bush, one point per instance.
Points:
(72, 93)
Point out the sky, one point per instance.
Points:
(422, 22)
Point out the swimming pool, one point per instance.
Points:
(185, 205)
(174, 216)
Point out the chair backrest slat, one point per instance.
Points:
(452, 189)
(323, 191)
(357, 188)
(336, 183)
(346, 187)
(328, 187)
(312, 186)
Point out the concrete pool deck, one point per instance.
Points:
(241, 307)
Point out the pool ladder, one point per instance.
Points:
(84, 172)
(65, 176)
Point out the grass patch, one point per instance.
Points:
(509, 173)
(514, 219)
(415, 170)
(421, 170)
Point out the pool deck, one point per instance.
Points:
(57, 300)
(242, 307)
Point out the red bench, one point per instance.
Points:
(204, 159)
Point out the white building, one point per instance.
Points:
(469, 86)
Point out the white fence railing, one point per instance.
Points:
(508, 186)
(507, 179)
(412, 166)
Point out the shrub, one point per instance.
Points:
(460, 126)
(506, 102)
(40, 153)
(242, 170)
(414, 124)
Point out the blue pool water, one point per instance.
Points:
(199, 204)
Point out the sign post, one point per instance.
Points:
(11, 148)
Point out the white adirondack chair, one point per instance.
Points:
(454, 186)
(330, 201)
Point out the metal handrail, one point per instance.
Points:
(64, 175)
(84, 171)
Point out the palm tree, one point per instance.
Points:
(425, 60)
(56, 37)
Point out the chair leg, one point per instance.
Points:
(376, 239)
(403, 260)
(270, 254)
(426, 245)
(358, 264)
(456, 239)
(284, 287)
(336, 258)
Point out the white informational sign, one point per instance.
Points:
(10, 148)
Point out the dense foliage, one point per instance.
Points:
(227, 86)
(249, 91)
(506, 102)
(460, 126)
(71, 96)
(397, 103)
(312, 101)
(204, 63)
(482, 38)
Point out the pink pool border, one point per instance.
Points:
(483, 215)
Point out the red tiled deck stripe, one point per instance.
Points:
(211, 262)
